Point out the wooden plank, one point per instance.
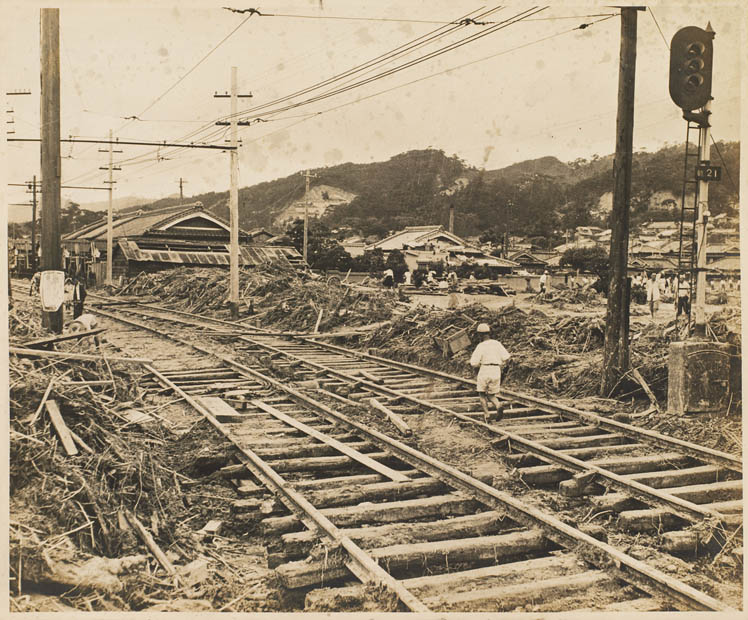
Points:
(370, 377)
(62, 430)
(640, 380)
(351, 453)
(674, 477)
(396, 420)
(508, 597)
(549, 566)
(220, 408)
(384, 512)
(324, 463)
(146, 537)
(75, 356)
(379, 491)
(480, 524)
(305, 573)
(475, 577)
(42, 342)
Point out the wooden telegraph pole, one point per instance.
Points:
(616, 352)
(109, 280)
(33, 224)
(308, 176)
(233, 195)
(234, 204)
(50, 152)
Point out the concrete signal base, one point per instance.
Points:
(699, 377)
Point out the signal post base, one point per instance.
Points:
(699, 374)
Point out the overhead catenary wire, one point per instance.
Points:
(214, 133)
(397, 51)
(308, 116)
(426, 77)
(406, 65)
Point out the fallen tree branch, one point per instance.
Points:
(21, 352)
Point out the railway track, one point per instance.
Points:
(654, 483)
(448, 541)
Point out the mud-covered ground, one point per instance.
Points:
(71, 549)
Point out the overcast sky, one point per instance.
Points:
(545, 90)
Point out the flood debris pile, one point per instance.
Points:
(559, 355)
(272, 295)
(561, 297)
(546, 351)
(104, 509)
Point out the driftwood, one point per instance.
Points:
(21, 352)
(396, 420)
(146, 537)
(43, 342)
(63, 432)
(640, 380)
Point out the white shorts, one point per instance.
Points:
(489, 379)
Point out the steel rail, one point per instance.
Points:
(623, 566)
(685, 509)
(360, 563)
(707, 454)
(715, 456)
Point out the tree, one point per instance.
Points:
(372, 261)
(593, 259)
(323, 252)
(396, 262)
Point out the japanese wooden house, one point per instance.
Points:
(182, 235)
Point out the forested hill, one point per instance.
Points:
(535, 197)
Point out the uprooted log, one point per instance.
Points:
(396, 420)
(22, 352)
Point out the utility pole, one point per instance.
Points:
(110, 210)
(234, 205)
(233, 197)
(308, 176)
(50, 152)
(33, 224)
(181, 191)
(616, 352)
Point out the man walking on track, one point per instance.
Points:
(490, 355)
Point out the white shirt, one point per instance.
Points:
(489, 353)
(407, 277)
(653, 290)
(544, 278)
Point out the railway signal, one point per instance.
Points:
(691, 67)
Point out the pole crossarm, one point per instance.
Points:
(189, 145)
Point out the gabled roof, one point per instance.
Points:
(526, 257)
(248, 255)
(192, 218)
(413, 236)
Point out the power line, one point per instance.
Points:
(406, 65)
(727, 170)
(421, 79)
(398, 51)
(132, 143)
(664, 40)
(195, 66)
(215, 133)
